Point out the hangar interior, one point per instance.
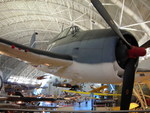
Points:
(21, 18)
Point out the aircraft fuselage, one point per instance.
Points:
(94, 55)
(84, 56)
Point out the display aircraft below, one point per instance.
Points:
(95, 91)
(88, 93)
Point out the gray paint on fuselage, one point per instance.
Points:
(92, 47)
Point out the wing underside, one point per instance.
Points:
(33, 56)
(143, 72)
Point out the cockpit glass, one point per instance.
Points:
(64, 33)
(68, 31)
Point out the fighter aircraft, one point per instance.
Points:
(106, 56)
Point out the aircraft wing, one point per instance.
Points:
(101, 94)
(143, 72)
(34, 56)
(144, 64)
(144, 67)
(29, 99)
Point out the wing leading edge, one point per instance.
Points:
(33, 56)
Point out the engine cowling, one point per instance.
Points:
(122, 55)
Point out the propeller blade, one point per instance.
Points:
(102, 11)
(133, 54)
(128, 82)
(146, 44)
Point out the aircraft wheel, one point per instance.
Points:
(1, 83)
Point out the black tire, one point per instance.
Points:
(1, 83)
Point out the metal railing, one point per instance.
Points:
(7, 110)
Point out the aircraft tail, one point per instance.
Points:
(33, 39)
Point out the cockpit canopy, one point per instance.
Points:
(68, 31)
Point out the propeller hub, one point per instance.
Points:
(135, 52)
